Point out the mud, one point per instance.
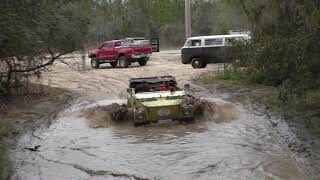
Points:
(230, 142)
(215, 111)
(105, 116)
(115, 114)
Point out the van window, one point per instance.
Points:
(195, 42)
(213, 42)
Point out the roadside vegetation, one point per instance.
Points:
(284, 51)
(282, 58)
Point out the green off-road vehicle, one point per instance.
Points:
(158, 98)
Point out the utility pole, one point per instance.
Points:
(188, 18)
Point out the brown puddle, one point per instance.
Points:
(223, 143)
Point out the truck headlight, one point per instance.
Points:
(140, 115)
(187, 110)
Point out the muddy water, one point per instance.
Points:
(245, 146)
(235, 144)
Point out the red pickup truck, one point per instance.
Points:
(123, 52)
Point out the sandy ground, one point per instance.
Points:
(108, 81)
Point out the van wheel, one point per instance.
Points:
(197, 63)
(114, 64)
(123, 62)
(95, 62)
(142, 61)
(204, 64)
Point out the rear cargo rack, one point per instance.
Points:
(147, 84)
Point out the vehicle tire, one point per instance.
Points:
(95, 63)
(137, 124)
(186, 120)
(142, 61)
(191, 119)
(204, 64)
(114, 64)
(123, 62)
(197, 63)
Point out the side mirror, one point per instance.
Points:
(187, 86)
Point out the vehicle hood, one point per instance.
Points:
(159, 99)
(162, 102)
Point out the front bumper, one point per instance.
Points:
(90, 55)
(152, 114)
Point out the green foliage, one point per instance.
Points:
(234, 77)
(163, 19)
(35, 33)
(285, 47)
(31, 27)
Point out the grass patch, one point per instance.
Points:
(4, 162)
(238, 83)
(311, 99)
(310, 102)
(236, 78)
(4, 128)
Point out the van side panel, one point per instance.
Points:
(188, 53)
(211, 54)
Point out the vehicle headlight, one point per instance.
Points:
(140, 114)
(187, 110)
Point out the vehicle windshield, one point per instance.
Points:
(193, 43)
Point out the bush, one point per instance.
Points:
(284, 51)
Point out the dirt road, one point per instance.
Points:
(107, 81)
(241, 145)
